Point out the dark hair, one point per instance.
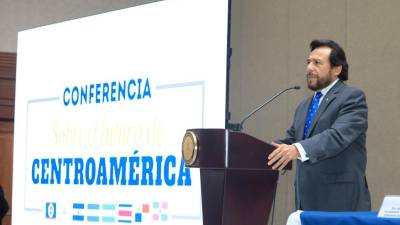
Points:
(336, 58)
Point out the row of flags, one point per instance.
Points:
(114, 213)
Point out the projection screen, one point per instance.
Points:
(102, 104)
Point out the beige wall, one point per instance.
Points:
(270, 44)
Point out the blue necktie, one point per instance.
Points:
(311, 113)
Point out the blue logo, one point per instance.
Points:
(51, 210)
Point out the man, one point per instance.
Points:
(3, 205)
(328, 137)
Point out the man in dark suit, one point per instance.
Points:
(3, 205)
(328, 137)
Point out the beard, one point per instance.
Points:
(318, 82)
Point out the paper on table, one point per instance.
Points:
(390, 207)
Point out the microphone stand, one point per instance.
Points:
(239, 127)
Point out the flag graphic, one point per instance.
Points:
(78, 211)
(125, 213)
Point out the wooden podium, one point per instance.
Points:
(237, 185)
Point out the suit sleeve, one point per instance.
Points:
(351, 122)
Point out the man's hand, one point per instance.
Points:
(282, 155)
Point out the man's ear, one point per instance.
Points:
(337, 70)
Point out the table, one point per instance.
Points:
(345, 218)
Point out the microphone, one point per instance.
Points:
(239, 127)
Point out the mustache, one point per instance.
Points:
(309, 75)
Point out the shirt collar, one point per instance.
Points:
(326, 89)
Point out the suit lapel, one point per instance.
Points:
(330, 96)
(303, 116)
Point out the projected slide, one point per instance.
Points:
(102, 104)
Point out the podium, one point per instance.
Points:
(237, 185)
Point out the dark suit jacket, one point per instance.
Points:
(333, 179)
(3, 204)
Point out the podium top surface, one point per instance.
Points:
(226, 149)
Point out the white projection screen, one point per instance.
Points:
(102, 104)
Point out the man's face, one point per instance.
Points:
(319, 71)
